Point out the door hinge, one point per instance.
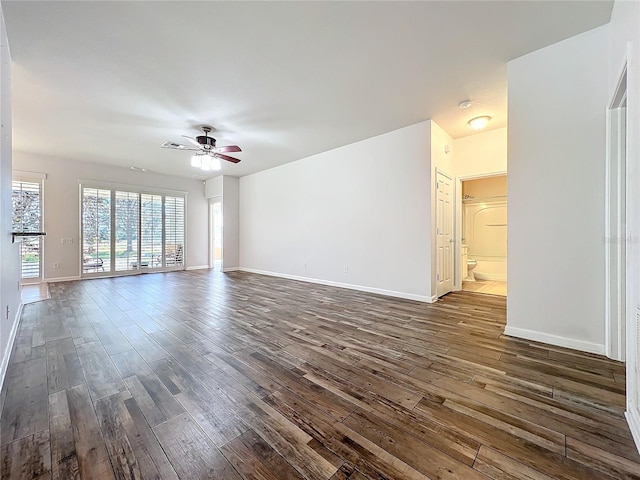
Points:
(437, 277)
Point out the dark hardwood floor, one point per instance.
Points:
(197, 375)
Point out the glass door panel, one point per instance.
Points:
(96, 230)
(151, 231)
(127, 212)
(174, 231)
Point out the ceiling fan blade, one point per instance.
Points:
(228, 149)
(178, 146)
(228, 158)
(192, 140)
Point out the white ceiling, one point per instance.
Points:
(109, 82)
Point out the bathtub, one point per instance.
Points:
(491, 268)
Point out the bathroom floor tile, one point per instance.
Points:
(486, 286)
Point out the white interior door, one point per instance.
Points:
(444, 234)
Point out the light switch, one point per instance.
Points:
(67, 241)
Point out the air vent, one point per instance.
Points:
(172, 145)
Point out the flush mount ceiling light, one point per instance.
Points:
(479, 123)
(465, 104)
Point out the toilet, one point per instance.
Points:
(467, 265)
(471, 264)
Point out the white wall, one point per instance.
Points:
(230, 223)
(556, 148)
(481, 153)
(9, 262)
(62, 207)
(364, 206)
(213, 187)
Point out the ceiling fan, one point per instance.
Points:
(207, 156)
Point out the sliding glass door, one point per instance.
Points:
(127, 231)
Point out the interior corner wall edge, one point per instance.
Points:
(355, 215)
(556, 155)
(61, 207)
(9, 260)
(230, 220)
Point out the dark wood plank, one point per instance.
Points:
(143, 343)
(134, 450)
(25, 406)
(101, 375)
(112, 340)
(191, 452)
(27, 458)
(208, 410)
(63, 366)
(77, 447)
(254, 458)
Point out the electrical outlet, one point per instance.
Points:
(304, 264)
(67, 241)
(56, 265)
(346, 269)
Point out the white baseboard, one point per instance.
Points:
(62, 279)
(556, 340)
(7, 352)
(633, 420)
(231, 269)
(197, 267)
(378, 291)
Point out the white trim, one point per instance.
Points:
(555, 340)
(361, 288)
(7, 352)
(235, 269)
(28, 176)
(633, 420)
(62, 279)
(616, 193)
(87, 183)
(198, 267)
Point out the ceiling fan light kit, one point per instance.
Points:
(206, 162)
(207, 156)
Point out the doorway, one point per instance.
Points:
(615, 214)
(483, 247)
(215, 234)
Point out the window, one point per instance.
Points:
(26, 201)
(127, 231)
